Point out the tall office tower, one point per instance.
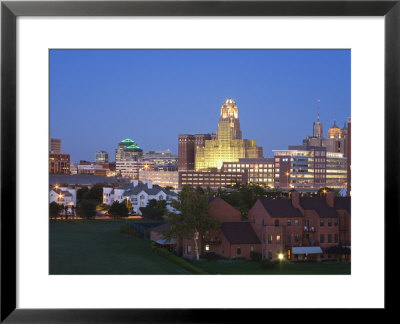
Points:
(317, 129)
(101, 157)
(348, 141)
(228, 145)
(128, 150)
(186, 152)
(55, 146)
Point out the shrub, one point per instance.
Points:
(210, 256)
(255, 256)
(267, 264)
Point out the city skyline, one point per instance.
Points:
(151, 96)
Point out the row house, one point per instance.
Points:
(234, 239)
(301, 228)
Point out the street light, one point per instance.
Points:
(280, 256)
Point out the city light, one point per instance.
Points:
(280, 256)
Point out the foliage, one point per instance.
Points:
(191, 220)
(118, 209)
(210, 256)
(244, 196)
(322, 192)
(54, 209)
(338, 250)
(267, 264)
(155, 209)
(255, 256)
(95, 193)
(81, 192)
(87, 209)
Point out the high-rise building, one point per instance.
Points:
(128, 159)
(186, 152)
(228, 146)
(101, 157)
(59, 163)
(55, 146)
(348, 141)
(310, 167)
(317, 129)
(163, 160)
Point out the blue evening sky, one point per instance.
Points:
(99, 97)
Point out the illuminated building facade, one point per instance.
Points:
(259, 171)
(163, 160)
(228, 145)
(310, 167)
(160, 177)
(212, 178)
(128, 150)
(101, 157)
(59, 163)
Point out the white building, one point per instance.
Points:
(138, 194)
(63, 196)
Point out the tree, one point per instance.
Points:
(192, 220)
(118, 209)
(95, 193)
(54, 209)
(155, 209)
(323, 191)
(87, 209)
(80, 194)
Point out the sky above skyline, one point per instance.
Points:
(100, 97)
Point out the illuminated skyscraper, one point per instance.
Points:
(228, 146)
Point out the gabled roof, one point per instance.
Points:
(161, 227)
(239, 233)
(318, 204)
(343, 203)
(280, 208)
(130, 189)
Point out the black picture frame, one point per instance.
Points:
(10, 10)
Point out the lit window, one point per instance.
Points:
(207, 247)
(238, 250)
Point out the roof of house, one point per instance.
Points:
(239, 233)
(131, 189)
(280, 208)
(343, 203)
(318, 204)
(161, 227)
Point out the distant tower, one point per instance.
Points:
(334, 132)
(186, 152)
(317, 127)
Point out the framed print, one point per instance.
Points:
(84, 79)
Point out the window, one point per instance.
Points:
(238, 250)
(251, 248)
(189, 249)
(269, 239)
(322, 238)
(336, 238)
(329, 223)
(278, 239)
(289, 238)
(270, 255)
(296, 237)
(207, 247)
(296, 222)
(329, 238)
(336, 223)
(289, 222)
(276, 222)
(321, 223)
(264, 238)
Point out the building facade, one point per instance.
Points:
(160, 177)
(138, 194)
(228, 145)
(301, 228)
(212, 178)
(59, 163)
(101, 157)
(55, 146)
(128, 156)
(259, 171)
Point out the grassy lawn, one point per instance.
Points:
(98, 247)
(251, 267)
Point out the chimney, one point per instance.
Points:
(135, 182)
(149, 184)
(330, 198)
(296, 199)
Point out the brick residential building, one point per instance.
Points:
(235, 239)
(59, 163)
(301, 228)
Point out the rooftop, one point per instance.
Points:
(239, 233)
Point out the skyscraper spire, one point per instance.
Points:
(317, 127)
